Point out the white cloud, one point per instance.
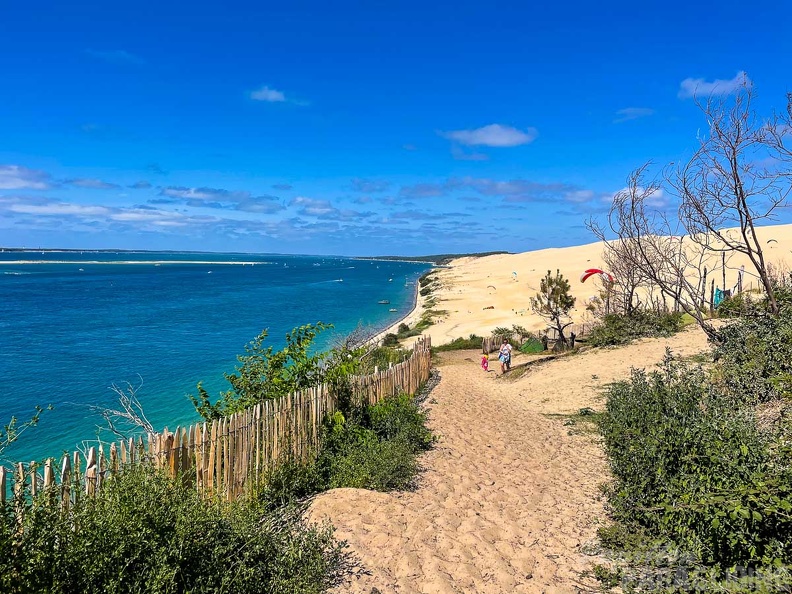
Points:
(632, 113)
(268, 95)
(15, 177)
(494, 135)
(699, 87)
(313, 207)
(57, 209)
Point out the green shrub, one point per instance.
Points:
(390, 340)
(146, 533)
(425, 291)
(735, 306)
(755, 357)
(461, 344)
(692, 468)
(403, 328)
(617, 329)
(399, 416)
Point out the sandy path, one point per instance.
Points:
(508, 497)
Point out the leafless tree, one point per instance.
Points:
(738, 179)
(642, 238)
(624, 293)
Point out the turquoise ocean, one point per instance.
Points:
(74, 323)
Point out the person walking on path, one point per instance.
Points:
(504, 356)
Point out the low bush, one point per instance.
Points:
(616, 329)
(755, 357)
(144, 532)
(460, 344)
(390, 340)
(691, 468)
(735, 306)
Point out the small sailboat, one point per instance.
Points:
(393, 310)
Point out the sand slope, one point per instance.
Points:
(471, 284)
(509, 497)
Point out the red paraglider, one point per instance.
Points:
(605, 276)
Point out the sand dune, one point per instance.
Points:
(472, 284)
(509, 501)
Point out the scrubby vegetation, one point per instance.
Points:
(144, 532)
(702, 491)
(617, 328)
(460, 344)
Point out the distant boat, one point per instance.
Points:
(390, 280)
(393, 310)
(383, 302)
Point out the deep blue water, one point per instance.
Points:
(72, 324)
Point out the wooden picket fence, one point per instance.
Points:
(224, 456)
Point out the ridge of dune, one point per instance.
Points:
(471, 284)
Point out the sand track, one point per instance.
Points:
(509, 497)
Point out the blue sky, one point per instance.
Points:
(354, 128)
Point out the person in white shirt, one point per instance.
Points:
(504, 356)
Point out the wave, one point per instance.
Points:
(17, 273)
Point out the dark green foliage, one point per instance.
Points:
(264, 373)
(692, 468)
(390, 340)
(460, 344)
(147, 533)
(377, 450)
(400, 417)
(553, 302)
(755, 357)
(620, 328)
(425, 291)
(405, 331)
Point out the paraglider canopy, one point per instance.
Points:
(605, 276)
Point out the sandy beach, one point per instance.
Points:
(506, 282)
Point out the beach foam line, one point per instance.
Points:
(139, 262)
